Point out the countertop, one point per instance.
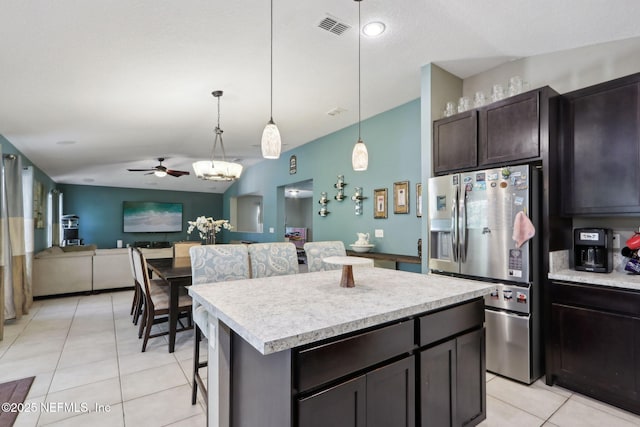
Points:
(614, 279)
(618, 278)
(283, 312)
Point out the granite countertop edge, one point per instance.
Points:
(614, 279)
(286, 343)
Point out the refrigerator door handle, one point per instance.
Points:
(454, 228)
(462, 227)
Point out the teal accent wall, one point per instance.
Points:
(40, 234)
(100, 212)
(393, 142)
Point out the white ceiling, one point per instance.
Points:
(89, 89)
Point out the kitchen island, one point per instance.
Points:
(300, 350)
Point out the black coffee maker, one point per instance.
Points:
(592, 249)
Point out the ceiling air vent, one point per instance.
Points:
(333, 25)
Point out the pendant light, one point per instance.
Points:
(217, 170)
(271, 143)
(360, 156)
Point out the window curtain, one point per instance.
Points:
(55, 207)
(29, 226)
(17, 296)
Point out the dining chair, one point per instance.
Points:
(210, 264)
(138, 300)
(273, 259)
(316, 251)
(181, 249)
(156, 301)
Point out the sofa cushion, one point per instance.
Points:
(57, 252)
(52, 251)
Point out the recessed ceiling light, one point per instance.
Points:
(66, 142)
(373, 29)
(88, 180)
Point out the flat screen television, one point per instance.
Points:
(151, 217)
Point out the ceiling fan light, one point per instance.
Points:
(160, 174)
(360, 157)
(271, 143)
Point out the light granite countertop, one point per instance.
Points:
(618, 278)
(279, 313)
(614, 279)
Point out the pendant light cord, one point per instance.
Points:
(359, 96)
(218, 132)
(271, 60)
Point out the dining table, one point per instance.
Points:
(177, 273)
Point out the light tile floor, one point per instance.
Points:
(85, 350)
(85, 354)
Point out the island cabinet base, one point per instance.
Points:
(419, 371)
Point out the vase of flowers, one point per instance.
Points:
(208, 227)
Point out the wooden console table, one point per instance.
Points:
(409, 259)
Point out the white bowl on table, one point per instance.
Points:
(361, 248)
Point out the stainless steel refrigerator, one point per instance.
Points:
(480, 226)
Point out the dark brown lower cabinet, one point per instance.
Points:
(370, 378)
(391, 395)
(438, 379)
(452, 385)
(471, 405)
(341, 406)
(595, 343)
(381, 398)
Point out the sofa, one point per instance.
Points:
(84, 269)
(59, 271)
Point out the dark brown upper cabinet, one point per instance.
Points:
(455, 142)
(600, 141)
(509, 130)
(513, 130)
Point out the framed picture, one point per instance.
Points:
(419, 200)
(401, 197)
(380, 198)
(38, 204)
(151, 217)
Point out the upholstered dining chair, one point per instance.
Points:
(181, 249)
(138, 299)
(156, 301)
(273, 259)
(316, 251)
(209, 264)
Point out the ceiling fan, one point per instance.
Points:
(161, 170)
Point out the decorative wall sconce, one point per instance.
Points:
(323, 204)
(340, 184)
(357, 199)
